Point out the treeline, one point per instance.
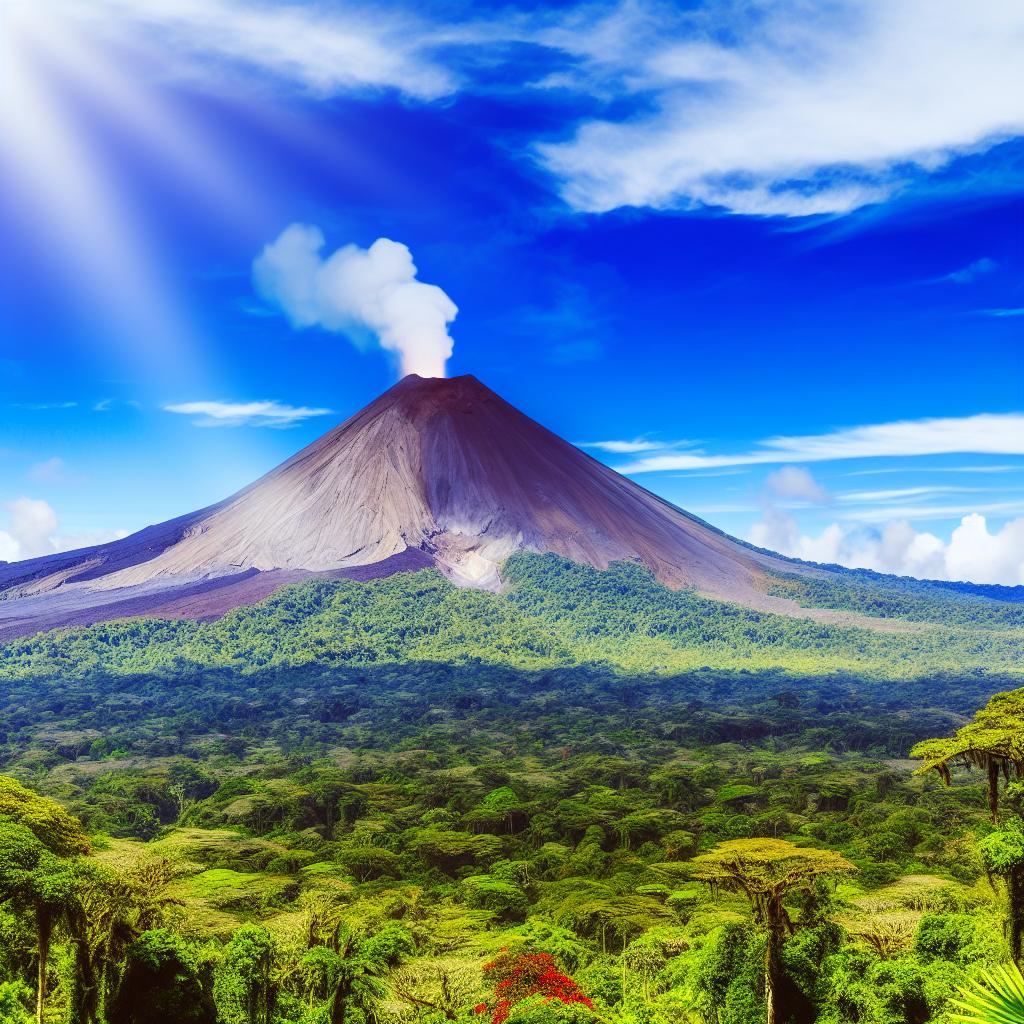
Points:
(552, 613)
(970, 606)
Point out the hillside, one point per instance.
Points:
(439, 472)
(553, 613)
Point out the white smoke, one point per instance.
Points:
(354, 291)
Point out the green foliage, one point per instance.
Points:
(50, 823)
(341, 803)
(245, 986)
(15, 1000)
(997, 998)
(888, 597)
(161, 985)
(553, 613)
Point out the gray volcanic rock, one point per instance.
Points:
(441, 468)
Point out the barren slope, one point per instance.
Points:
(443, 467)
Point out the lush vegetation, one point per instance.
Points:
(890, 597)
(588, 799)
(553, 613)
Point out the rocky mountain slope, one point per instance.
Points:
(435, 471)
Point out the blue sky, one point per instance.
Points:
(676, 233)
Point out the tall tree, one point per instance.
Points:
(37, 838)
(40, 884)
(993, 742)
(767, 871)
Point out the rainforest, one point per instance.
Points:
(587, 798)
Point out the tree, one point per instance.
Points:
(61, 833)
(38, 883)
(112, 909)
(36, 837)
(442, 986)
(993, 742)
(520, 976)
(1003, 854)
(349, 974)
(160, 985)
(245, 987)
(767, 871)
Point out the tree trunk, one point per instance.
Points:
(993, 790)
(44, 930)
(771, 975)
(1015, 910)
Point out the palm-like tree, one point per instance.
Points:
(998, 998)
(349, 974)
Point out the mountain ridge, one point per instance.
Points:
(436, 472)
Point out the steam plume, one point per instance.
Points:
(360, 293)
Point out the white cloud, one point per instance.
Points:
(240, 414)
(787, 109)
(983, 434)
(633, 447)
(325, 51)
(796, 484)
(358, 291)
(31, 527)
(32, 530)
(973, 552)
(1003, 312)
(933, 469)
(965, 275)
(901, 494)
(74, 541)
(44, 406)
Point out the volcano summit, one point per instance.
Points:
(435, 471)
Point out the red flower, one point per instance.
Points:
(521, 975)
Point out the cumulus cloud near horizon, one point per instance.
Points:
(33, 530)
(974, 553)
(365, 294)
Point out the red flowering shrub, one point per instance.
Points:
(517, 976)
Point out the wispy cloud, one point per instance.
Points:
(316, 49)
(240, 414)
(43, 406)
(787, 109)
(773, 107)
(936, 469)
(50, 471)
(901, 494)
(634, 446)
(1003, 311)
(965, 275)
(985, 433)
(890, 513)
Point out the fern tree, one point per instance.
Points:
(993, 742)
(767, 872)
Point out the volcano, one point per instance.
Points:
(435, 472)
